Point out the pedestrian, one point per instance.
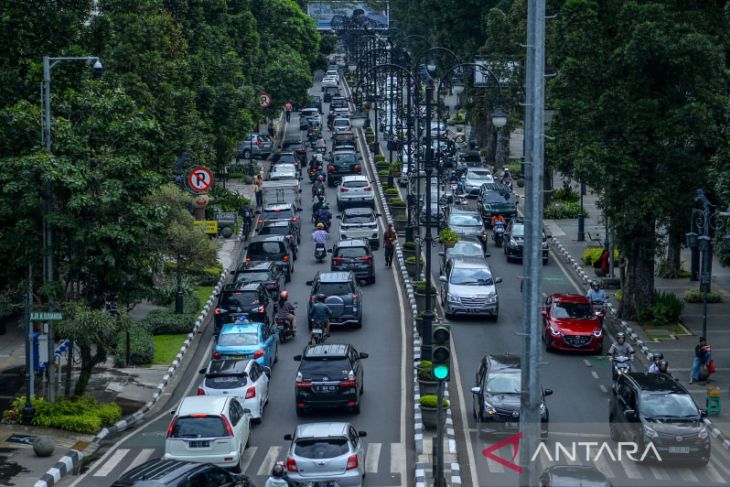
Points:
(389, 238)
(287, 109)
(257, 190)
(701, 362)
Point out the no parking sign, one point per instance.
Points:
(200, 179)
(264, 100)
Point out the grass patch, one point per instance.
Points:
(674, 329)
(203, 292)
(167, 347)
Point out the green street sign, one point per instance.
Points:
(441, 372)
(46, 316)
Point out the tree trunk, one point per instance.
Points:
(638, 280)
(501, 155)
(674, 248)
(88, 362)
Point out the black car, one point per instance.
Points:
(343, 297)
(573, 475)
(251, 299)
(267, 272)
(338, 102)
(497, 395)
(314, 101)
(174, 473)
(282, 212)
(354, 255)
(272, 248)
(342, 164)
(655, 408)
(286, 228)
(514, 242)
(329, 376)
(496, 199)
(296, 146)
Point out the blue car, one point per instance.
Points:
(244, 340)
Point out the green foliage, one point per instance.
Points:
(665, 270)
(665, 309)
(383, 172)
(425, 370)
(431, 401)
(695, 296)
(566, 195)
(162, 322)
(619, 295)
(559, 210)
(388, 191)
(514, 167)
(592, 254)
(409, 246)
(80, 414)
(167, 347)
(397, 203)
(142, 347)
(395, 167)
(448, 236)
(411, 259)
(419, 286)
(227, 200)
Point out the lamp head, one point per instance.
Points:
(499, 118)
(458, 87)
(97, 68)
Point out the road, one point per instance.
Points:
(383, 406)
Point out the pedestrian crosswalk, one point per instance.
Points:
(383, 460)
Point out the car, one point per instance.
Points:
(314, 101)
(469, 158)
(213, 429)
(465, 247)
(468, 288)
(343, 139)
(496, 200)
(497, 395)
(308, 113)
(334, 73)
(296, 146)
(281, 212)
(249, 298)
(338, 102)
(283, 176)
(286, 228)
(570, 324)
(261, 271)
(258, 145)
(274, 248)
(514, 238)
(330, 453)
(247, 341)
(342, 112)
(343, 297)
(244, 379)
(360, 222)
(354, 255)
(656, 408)
(342, 164)
(355, 191)
(329, 376)
(475, 177)
(328, 82)
(468, 224)
(173, 473)
(328, 92)
(572, 475)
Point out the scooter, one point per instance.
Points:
(283, 327)
(320, 252)
(621, 366)
(317, 336)
(499, 234)
(600, 309)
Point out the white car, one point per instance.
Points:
(355, 191)
(329, 82)
(475, 177)
(360, 223)
(342, 125)
(246, 380)
(333, 74)
(213, 429)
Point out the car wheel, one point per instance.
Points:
(548, 348)
(249, 442)
(300, 412)
(372, 279)
(615, 435)
(288, 275)
(359, 324)
(544, 435)
(545, 261)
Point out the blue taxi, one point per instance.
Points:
(247, 340)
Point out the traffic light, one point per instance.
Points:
(441, 351)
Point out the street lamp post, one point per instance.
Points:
(428, 311)
(581, 218)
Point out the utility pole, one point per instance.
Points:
(28, 409)
(531, 396)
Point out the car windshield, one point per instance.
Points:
(342, 123)
(663, 404)
(518, 231)
(275, 230)
(334, 368)
(355, 184)
(198, 427)
(460, 219)
(324, 448)
(239, 339)
(340, 158)
(264, 248)
(239, 298)
(503, 383)
(357, 218)
(252, 276)
(465, 248)
(334, 288)
(576, 311)
(277, 214)
(351, 252)
(479, 174)
(225, 381)
(471, 277)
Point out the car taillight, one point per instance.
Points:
(366, 257)
(261, 309)
(313, 298)
(357, 168)
(171, 427)
(259, 353)
(351, 381)
(291, 465)
(343, 189)
(216, 355)
(229, 430)
(285, 258)
(369, 188)
(338, 259)
(355, 298)
(250, 393)
(295, 219)
(248, 259)
(201, 391)
(352, 462)
(330, 168)
(261, 221)
(301, 383)
(217, 311)
(258, 142)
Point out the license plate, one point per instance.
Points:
(473, 310)
(237, 357)
(511, 426)
(199, 444)
(326, 388)
(323, 484)
(678, 449)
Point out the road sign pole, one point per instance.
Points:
(28, 409)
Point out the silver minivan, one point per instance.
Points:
(468, 288)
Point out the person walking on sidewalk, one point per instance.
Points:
(287, 109)
(701, 363)
(257, 191)
(389, 238)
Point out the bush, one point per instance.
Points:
(425, 370)
(592, 254)
(228, 200)
(209, 276)
(160, 322)
(558, 210)
(379, 157)
(619, 295)
(420, 286)
(395, 167)
(81, 415)
(143, 348)
(383, 172)
(695, 296)
(390, 191)
(667, 271)
(397, 202)
(448, 236)
(514, 167)
(409, 246)
(431, 401)
(411, 259)
(665, 309)
(566, 195)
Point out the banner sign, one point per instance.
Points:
(323, 11)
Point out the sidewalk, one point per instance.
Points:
(678, 349)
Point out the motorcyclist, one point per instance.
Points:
(286, 310)
(620, 349)
(506, 177)
(320, 236)
(321, 143)
(656, 359)
(324, 216)
(330, 120)
(318, 187)
(498, 218)
(321, 313)
(596, 294)
(317, 205)
(664, 367)
(277, 478)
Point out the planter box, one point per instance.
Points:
(411, 268)
(408, 252)
(428, 387)
(419, 326)
(421, 301)
(429, 415)
(400, 225)
(398, 211)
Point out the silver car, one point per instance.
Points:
(468, 288)
(257, 145)
(360, 222)
(465, 247)
(475, 177)
(326, 452)
(355, 191)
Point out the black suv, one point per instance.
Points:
(286, 228)
(514, 242)
(655, 408)
(342, 164)
(496, 199)
(251, 299)
(497, 395)
(329, 376)
(343, 297)
(174, 473)
(296, 146)
(354, 255)
(267, 272)
(274, 248)
(279, 212)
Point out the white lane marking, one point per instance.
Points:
(659, 473)
(631, 470)
(247, 457)
(603, 467)
(715, 476)
(142, 457)
(603, 389)
(397, 457)
(464, 421)
(594, 374)
(111, 463)
(587, 362)
(372, 457)
(687, 475)
(269, 460)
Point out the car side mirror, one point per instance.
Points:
(364, 355)
(288, 437)
(443, 279)
(476, 390)
(172, 413)
(246, 411)
(630, 413)
(297, 358)
(497, 280)
(201, 371)
(362, 434)
(329, 251)
(547, 392)
(309, 283)
(703, 413)
(442, 254)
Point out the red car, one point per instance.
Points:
(571, 324)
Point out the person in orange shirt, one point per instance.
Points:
(287, 109)
(497, 218)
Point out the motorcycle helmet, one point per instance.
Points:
(658, 355)
(320, 177)
(663, 366)
(320, 226)
(594, 285)
(277, 471)
(620, 336)
(284, 295)
(321, 297)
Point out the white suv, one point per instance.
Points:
(244, 379)
(355, 191)
(360, 223)
(209, 429)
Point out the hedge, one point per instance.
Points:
(592, 254)
(559, 210)
(665, 309)
(81, 415)
(163, 322)
(431, 401)
(143, 348)
(695, 296)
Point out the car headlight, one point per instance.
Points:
(489, 409)
(452, 299)
(492, 298)
(544, 245)
(543, 409)
(598, 332)
(650, 433)
(512, 243)
(703, 434)
(555, 332)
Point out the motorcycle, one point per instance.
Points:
(600, 309)
(499, 234)
(317, 336)
(320, 252)
(284, 329)
(621, 366)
